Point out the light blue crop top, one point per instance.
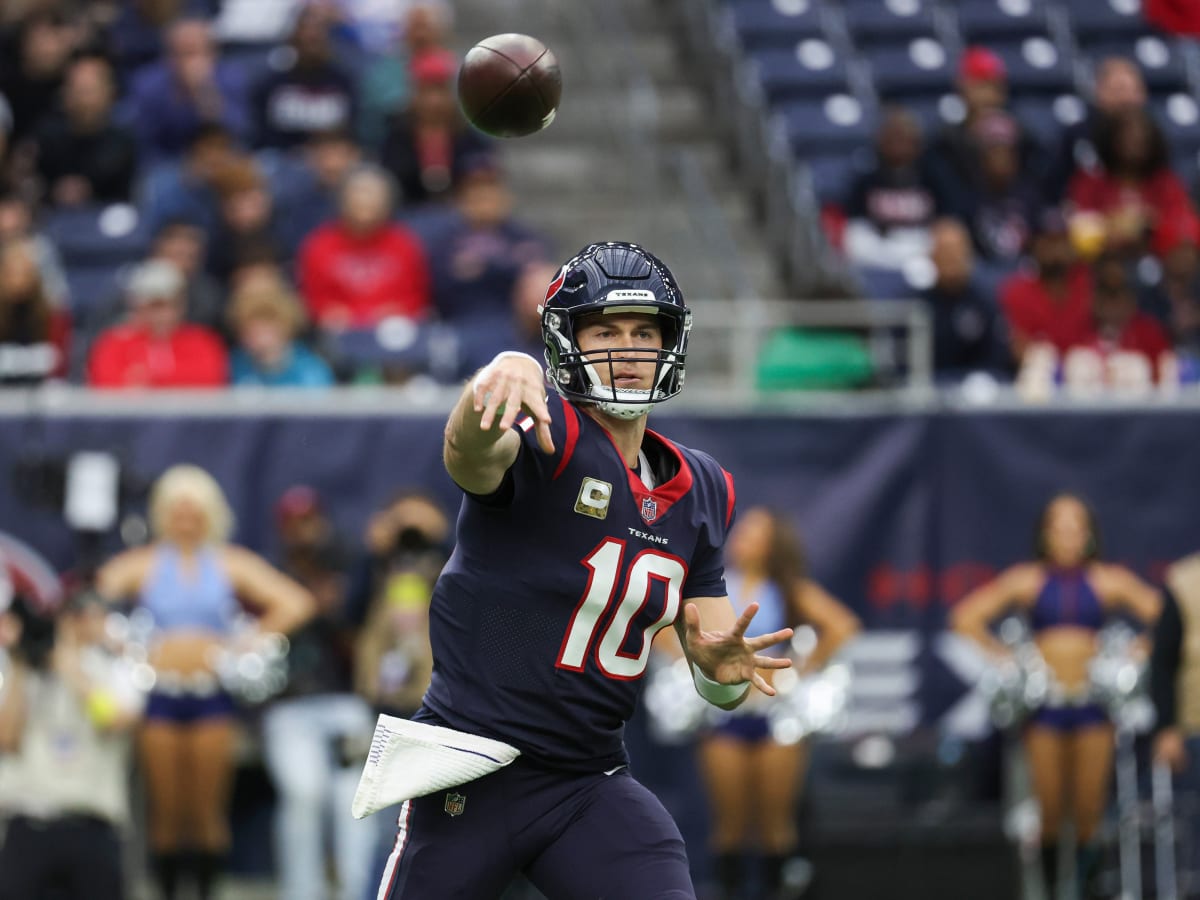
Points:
(200, 599)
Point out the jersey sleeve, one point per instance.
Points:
(706, 575)
(533, 467)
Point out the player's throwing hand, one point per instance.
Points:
(512, 382)
(729, 657)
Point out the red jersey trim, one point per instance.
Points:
(663, 497)
(730, 495)
(571, 421)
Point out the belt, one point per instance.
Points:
(197, 684)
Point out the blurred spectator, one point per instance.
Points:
(953, 153)
(187, 189)
(1051, 303)
(155, 348)
(190, 582)
(311, 94)
(1119, 88)
(363, 267)
(967, 332)
(891, 207)
(32, 63)
(1174, 299)
(266, 317)
(384, 85)
(476, 255)
(182, 244)
(34, 336)
(1003, 197)
(308, 187)
(1135, 189)
(66, 711)
(191, 88)
(247, 217)
(82, 155)
(427, 143)
(406, 544)
(16, 224)
(316, 735)
(6, 127)
(1118, 324)
(528, 295)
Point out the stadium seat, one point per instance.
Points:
(1046, 120)
(1036, 66)
(935, 111)
(991, 21)
(97, 236)
(761, 24)
(838, 125)
(876, 22)
(1097, 20)
(1160, 58)
(833, 175)
(812, 69)
(1179, 116)
(93, 288)
(920, 69)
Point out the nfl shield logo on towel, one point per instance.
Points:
(649, 509)
(455, 804)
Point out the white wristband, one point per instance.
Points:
(716, 693)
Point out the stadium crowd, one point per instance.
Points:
(1081, 245)
(184, 203)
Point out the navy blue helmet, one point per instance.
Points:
(613, 277)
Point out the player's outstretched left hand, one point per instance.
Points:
(729, 657)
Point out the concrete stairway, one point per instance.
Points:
(579, 181)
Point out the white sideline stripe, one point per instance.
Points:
(389, 871)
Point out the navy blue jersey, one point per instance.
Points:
(542, 620)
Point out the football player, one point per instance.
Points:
(581, 535)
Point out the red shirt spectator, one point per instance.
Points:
(1057, 312)
(1135, 190)
(1118, 324)
(362, 268)
(155, 348)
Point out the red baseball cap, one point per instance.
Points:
(981, 64)
(433, 67)
(299, 500)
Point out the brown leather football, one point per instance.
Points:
(509, 85)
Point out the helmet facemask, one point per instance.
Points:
(578, 375)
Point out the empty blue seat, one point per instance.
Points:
(838, 125)
(1036, 65)
(1179, 116)
(833, 176)
(94, 292)
(1095, 20)
(760, 24)
(988, 21)
(935, 111)
(873, 22)
(97, 236)
(920, 69)
(1045, 119)
(812, 69)
(1160, 59)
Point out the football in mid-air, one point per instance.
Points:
(509, 85)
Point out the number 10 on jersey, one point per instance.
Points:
(604, 565)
